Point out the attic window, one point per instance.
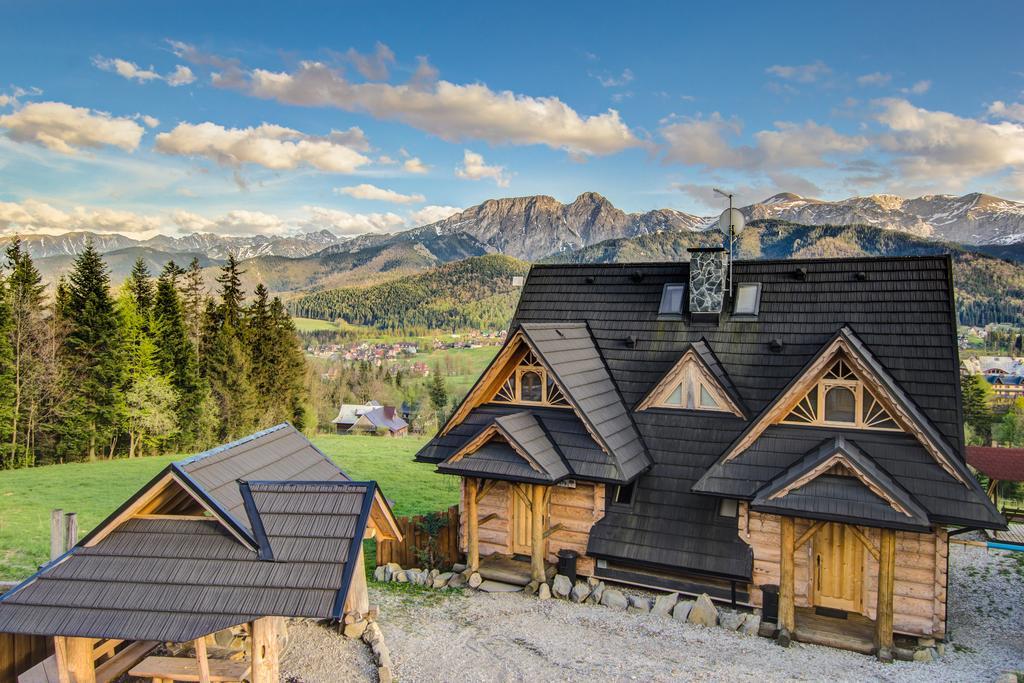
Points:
(689, 388)
(840, 398)
(728, 507)
(622, 494)
(748, 298)
(530, 382)
(672, 297)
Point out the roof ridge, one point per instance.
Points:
(228, 446)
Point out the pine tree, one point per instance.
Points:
(140, 286)
(194, 299)
(176, 357)
(8, 456)
(28, 342)
(92, 350)
(149, 397)
(437, 391)
(977, 410)
(231, 295)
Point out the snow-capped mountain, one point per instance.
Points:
(971, 219)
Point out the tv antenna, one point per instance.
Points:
(731, 223)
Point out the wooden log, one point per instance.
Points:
(787, 609)
(204, 662)
(473, 532)
(265, 667)
(537, 533)
(70, 530)
(75, 659)
(56, 534)
(358, 599)
(886, 579)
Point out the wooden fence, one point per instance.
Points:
(19, 653)
(413, 538)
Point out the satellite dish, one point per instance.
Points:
(733, 217)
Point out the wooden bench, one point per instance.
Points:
(1013, 514)
(162, 669)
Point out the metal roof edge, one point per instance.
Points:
(225, 517)
(354, 551)
(238, 442)
(266, 551)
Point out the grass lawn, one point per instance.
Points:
(313, 325)
(94, 490)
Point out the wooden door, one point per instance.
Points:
(837, 566)
(522, 520)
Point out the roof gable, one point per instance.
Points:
(699, 368)
(900, 407)
(504, 446)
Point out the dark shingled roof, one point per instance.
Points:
(178, 579)
(901, 311)
(841, 497)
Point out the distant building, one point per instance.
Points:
(1006, 388)
(384, 419)
(350, 414)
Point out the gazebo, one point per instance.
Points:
(1001, 464)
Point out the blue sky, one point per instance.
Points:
(356, 117)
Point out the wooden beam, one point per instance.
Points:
(75, 659)
(518, 490)
(865, 540)
(204, 663)
(56, 534)
(265, 667)
(886, 582)
(806, 536)
(472, 531)
(537, 535)
(487, 518)
(554, 530)
(358, 599)
(787, 607)
(485, 489)
(60, 653)
(194, 518)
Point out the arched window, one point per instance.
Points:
(530, 387)
(840, 398)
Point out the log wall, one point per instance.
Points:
(919, 602)
(19, 653)
(576, 509)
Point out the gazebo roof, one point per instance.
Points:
(1004, 464)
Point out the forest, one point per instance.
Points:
(159, 365)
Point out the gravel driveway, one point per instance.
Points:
(508, 637)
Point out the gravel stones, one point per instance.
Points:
(579, 592)
(682, 610)
(731, 621)
(704, 612)
(595, 595)
(638, 603)
(614, 599)
(561, 586)
(544, 592)
(664, 604)
(751, 625)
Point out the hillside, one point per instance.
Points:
(121, 261)
(988, 289)
(476, 292)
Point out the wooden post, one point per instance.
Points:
(886, 580)
(357, 599)
(265, 650)
(537, 533)
(70, 531)
(204, 663)
(75, 661)
(56, 534)
(472, 532)
(787, 608)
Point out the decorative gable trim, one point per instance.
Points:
(839, 459)
(883, 388)
(487, 434)
(690, 377)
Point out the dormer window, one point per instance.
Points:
(748, 299)
(530, 382)
(840, 399)
(689, 386)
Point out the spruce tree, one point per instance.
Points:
(231, 295)
(176, 357)
(28, 342)
(975, 393)
(140, 286)
(92, 349)
(193, 292)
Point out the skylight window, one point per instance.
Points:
(748, 298)
(672, 299)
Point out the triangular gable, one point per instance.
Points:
(696, 382)
(883, 387)
(525, 437)
(842, 457)
(172, 493)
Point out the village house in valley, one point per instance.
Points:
(790, 439)
(370, 418)
(216, 549)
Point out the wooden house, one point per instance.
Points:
(795, 433)
(259, 529)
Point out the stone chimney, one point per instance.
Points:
(707, 280)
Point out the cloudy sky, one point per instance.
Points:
(243, 118)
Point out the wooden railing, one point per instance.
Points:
(413, 538)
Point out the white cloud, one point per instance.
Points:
(874, 79)
(451, 111)
(373, 66)
(608, 80)
(345, 223)
(182, 75)
(33, 216)
(414, 165)
(13, 98)
(385, 160)
(1011, 112)
(919, 88)
(65, 129)
(704, 142)
(432, 214)
(126, 69)
(802, 73)
(267, 145)
(474, 168)
(380, 194)
(150, 121)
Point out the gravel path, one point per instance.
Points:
(316, 654)
(508, 637)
